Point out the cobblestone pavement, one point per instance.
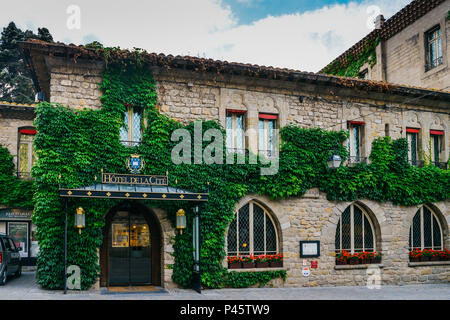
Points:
(25, 287)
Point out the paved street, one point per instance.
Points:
(26, 288)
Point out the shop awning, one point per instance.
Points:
(135, 192)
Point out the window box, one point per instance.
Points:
(248, 265)
(262, 264)
(235, 265)
(276, 264)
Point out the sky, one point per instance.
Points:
(298, 34)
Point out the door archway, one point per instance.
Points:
(131, 249)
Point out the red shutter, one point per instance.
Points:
(236, 111)
(27, 131)
(411, 130)
(356, 122)
(268, 116)
(437, 132)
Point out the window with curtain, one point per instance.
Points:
(266, 134)
(235, 130)
(252, 232)
(355, 231)
(26, 154)
(436, 147)
(354, 143)
(425, 231)
(131, 131)
(412, 138)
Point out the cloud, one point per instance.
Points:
(305, 41)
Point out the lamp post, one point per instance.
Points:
(196, 279)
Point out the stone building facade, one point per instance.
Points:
(290, 97)
(413, 49)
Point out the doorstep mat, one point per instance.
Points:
(134, 289)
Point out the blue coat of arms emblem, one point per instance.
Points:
(135, 163)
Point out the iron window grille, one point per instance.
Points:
(355, 231)
(425, 231)
(252, 232)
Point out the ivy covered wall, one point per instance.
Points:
(76, 144)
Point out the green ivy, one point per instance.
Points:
(352, 66)
(76, 145)
(13, 192)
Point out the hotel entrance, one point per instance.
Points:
(129, 249)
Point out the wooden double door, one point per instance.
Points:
(132, 248)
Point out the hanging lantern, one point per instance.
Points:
(80, 219)
(181, 220)
(334, 161)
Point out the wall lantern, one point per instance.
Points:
(80, 219)
(334, 161)
(181, 220)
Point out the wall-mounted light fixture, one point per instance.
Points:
(181, 220)
(80, 219)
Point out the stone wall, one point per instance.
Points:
(401, 59)
(315, 218)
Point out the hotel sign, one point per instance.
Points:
(149, 180)
(16, 214)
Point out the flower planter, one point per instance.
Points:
(262, 264)
(276, 264)
(341, 262)
(423, 258)
(365, 261)
(434, 258)
(235, 265)
(354, 261)
(376, 260)
(414, 259)
(248, 265)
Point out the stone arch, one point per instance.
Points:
(161, 232)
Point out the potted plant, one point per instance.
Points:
(415, 255)
(377, 257)
(354, 258)
(435, 255)
(234, 262)
(262, 261)
(364, 257)
(444, 255)
(426, 255)
(342, 258)
(248, 262)
(276, 260)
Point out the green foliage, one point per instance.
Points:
(78, 144)
(13, 192)
(15, 80)
(352, 66)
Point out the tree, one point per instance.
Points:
(15, 79)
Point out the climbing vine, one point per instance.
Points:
(352, 65)
(74, 145)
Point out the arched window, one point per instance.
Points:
(355, 232)
(425, 231)
(252, 232)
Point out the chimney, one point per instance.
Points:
(379, 21)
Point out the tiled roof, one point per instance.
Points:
(35, 47)
(408, 15)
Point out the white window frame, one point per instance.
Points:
(232, 145)
(351, 143)
(422, 230)
(409, 136)
(352, 231)
(129, 129)
(437, 42)
(251, 250)
(30, 155)
(264, 147)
